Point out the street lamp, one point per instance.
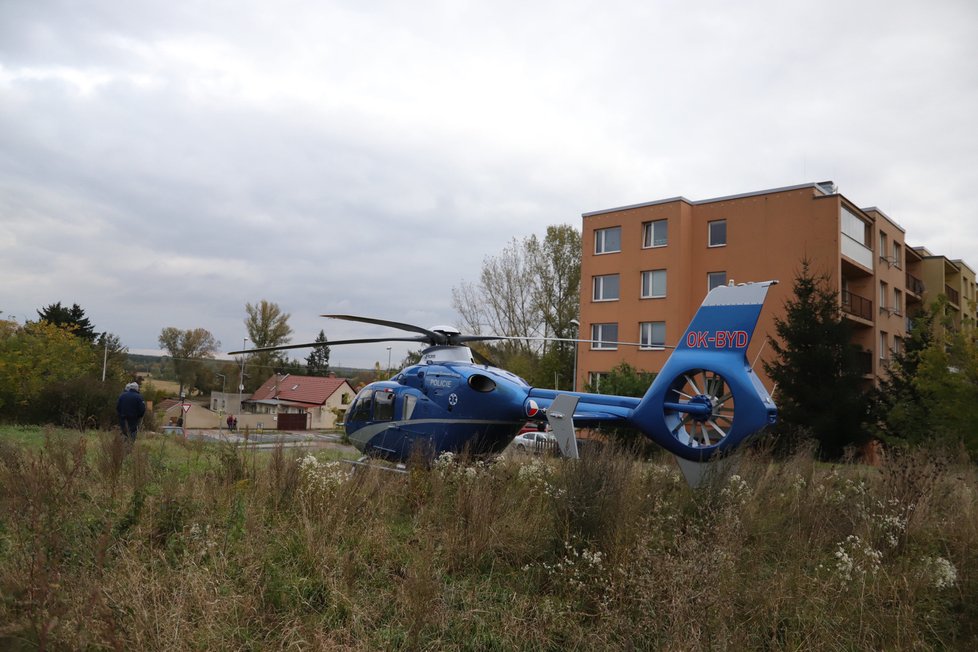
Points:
(224, 399)
(244, 345)
(577, 334)
(388, 361)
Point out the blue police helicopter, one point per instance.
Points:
(705, 401)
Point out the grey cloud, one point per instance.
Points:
(164, 166)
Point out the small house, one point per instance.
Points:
(301, 402)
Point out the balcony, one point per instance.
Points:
(914, 284)
(857, 251)
(857, 306)
(952, 295)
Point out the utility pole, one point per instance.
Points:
(577, 334)
(105, 355)
(224, 401)
(244, 345)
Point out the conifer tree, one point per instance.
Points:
(317, 362)
(899, 409)
(72, 319)
(816, 371)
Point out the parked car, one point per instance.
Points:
(532, 440)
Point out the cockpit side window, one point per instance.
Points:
(409, 403)
(360, 410)
(383, 406)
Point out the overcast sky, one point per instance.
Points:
(164, 163)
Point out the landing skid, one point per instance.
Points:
(364, 462)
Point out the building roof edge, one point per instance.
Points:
(886, 217)
(817, 186)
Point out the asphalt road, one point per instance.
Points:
(270, 439)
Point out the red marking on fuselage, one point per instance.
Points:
(717, 339)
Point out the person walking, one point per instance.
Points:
(131, 407)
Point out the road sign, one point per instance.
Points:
(186, 407)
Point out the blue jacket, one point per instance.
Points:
(131, 405)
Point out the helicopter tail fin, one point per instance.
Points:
(706, 399)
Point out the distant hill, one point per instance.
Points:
(139, 362)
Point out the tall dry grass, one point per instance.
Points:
(176, 547)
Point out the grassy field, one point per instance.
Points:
(175, 545)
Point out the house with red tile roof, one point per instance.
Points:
(302, 402)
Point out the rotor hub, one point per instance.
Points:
(707, 402)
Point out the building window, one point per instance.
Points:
(652, 334)
(854, 227)
(884, 288)
(883, 246)
(718, 233)
(606, 287)
(654, 284)
(594, 379)
(897, 344)
(897, 301)
(607, 241)
(714, 279)
(655, 234)
(897, 258)
(604, 336)
(884, 346)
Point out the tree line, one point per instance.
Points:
(52, 369)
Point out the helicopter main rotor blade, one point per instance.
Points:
(477, 338)
(571, 339)
(391, 324)
(368, 340)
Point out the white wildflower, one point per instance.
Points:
(941, 572)
(737, 489)
(855, 559)
(321, 477)
(445, 460)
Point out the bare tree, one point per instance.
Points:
(502, 303)
(530, 289)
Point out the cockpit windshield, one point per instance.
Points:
(362, 404)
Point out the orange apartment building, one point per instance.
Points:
(958, 282)
(645, 269)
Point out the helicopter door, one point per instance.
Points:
(383, 406)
